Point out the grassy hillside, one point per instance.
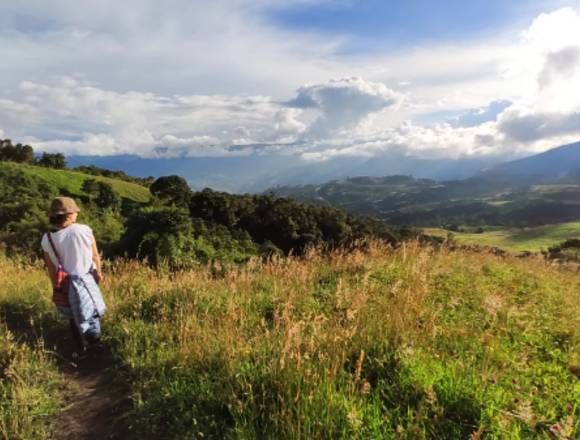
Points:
(412, 343)
(72, 181)
(516, 239)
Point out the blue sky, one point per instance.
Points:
(400, 22)
(374, 24)
(198, 78)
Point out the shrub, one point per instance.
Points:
(160, 235)
(55, 160)
(172, 189)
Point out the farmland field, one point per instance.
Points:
(532, 239)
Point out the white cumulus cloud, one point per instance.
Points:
(76, 117)
(343, 104)
(216, 78)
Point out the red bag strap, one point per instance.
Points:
(54, 248)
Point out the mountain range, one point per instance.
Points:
(536, 190)
(543, 188)
(257, 173)
(559, 163)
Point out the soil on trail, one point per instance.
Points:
(94, 406)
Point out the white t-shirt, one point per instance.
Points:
(74, 245)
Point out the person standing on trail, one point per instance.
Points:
(74, 268)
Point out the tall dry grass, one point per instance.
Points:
(381, 343)
(29, 381)
(411, 342)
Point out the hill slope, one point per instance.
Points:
(26, 191)
(179, 231)
(72, 181)
(551, 165)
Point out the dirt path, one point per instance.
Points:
(94, 405)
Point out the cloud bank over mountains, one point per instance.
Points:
(169, 81)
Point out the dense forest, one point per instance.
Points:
(175, 226)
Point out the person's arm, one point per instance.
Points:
(97, 261)
(50, 267)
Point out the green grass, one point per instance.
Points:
(30, 384)
(412, 343)
(72, 181)
(498, 202)
(517, 239)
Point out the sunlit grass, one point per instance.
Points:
(534, 239)
(407, 343)
(72, 181)
(29, 381)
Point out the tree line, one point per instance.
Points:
(243, 224)
(179, 227)
(20, 153)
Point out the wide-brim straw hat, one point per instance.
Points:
(63, 205)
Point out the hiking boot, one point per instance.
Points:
(91, 338)
(79, 355)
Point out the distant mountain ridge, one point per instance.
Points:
(256, 173)
(554, 164)
(537, 190)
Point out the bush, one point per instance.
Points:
(568, 250)
(55, 160)
(107, 197)
(167, 235)
(289, 225)
(172, 190)
(160, 235)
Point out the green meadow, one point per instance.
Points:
(381, 343)
(532, 239)
(72, 181)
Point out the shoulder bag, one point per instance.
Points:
(61, 284)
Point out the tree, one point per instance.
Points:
(107, 197)
(102, 193)
(16, 153)
(90, 186)
(52, 160)
(161, 235)
(172, 190)
(217, 207)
